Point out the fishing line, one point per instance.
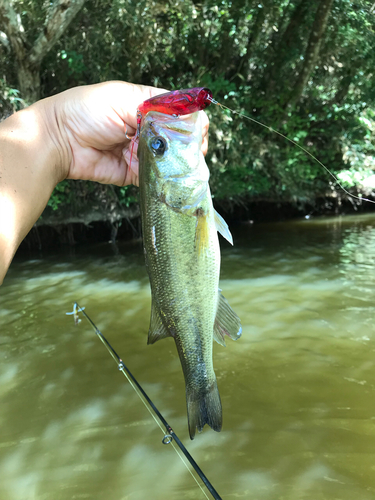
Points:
(169, 435)
(359, 197)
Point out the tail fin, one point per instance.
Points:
(203, 407)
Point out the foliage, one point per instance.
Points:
(250, 53)
(10, 100)
(127, 195)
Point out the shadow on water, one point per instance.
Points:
(297, 389)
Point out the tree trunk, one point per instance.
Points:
(346, 81)
(253, 38)
(28, 54)
(312, 51)
(29, 81)
(289, 38)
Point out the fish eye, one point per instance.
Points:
(158, 146)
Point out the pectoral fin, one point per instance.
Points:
(222, 228)
(157, 329)
(226, 322)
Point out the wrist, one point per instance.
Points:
(49, 113)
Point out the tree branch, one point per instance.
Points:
(256, 30)
(12, 26)
(4, 39)
(59, 16)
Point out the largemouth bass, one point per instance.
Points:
(183, 256)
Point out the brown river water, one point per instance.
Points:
(298, 388)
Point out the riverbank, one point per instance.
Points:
(121, 224)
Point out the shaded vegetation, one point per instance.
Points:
(304, 68)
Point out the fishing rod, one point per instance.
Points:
(170, 435)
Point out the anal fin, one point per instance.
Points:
(226, 322)
(157, 329)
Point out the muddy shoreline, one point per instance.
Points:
(54, 231)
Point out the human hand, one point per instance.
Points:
(78, 134)
(91, 122)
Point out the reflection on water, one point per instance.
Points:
(297, 389)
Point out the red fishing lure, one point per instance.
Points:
(177, 102)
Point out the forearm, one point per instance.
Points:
(30, 168)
